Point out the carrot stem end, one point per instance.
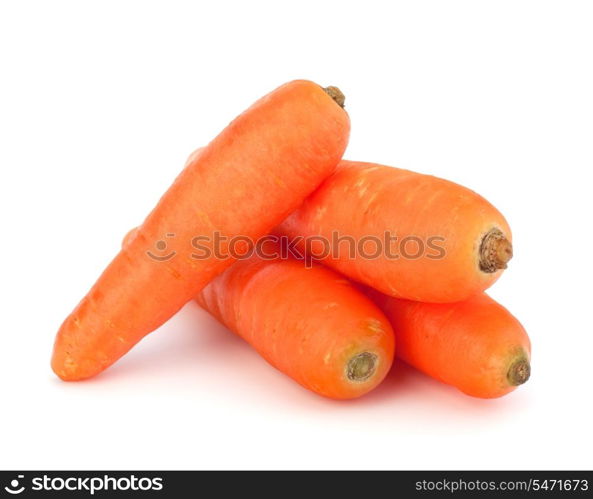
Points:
(336, 94)
(362, 366)
(519, 372)
(495, 251)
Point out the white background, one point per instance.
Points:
(100, 103)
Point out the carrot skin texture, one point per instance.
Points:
(470, 345)
(306, 322)
(366, 199)
(249, 178)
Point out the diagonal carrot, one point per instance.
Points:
(244, 182)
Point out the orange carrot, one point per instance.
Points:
(474, 345)
(309, 323)
(451, 243)
(244, 182)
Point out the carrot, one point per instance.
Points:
(310, 323)
(474, 345)
(451, 243)
(244, 182)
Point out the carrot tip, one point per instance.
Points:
(519, 372)
(361, 367)
(495, 251)
(336, 94)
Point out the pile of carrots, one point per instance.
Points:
(330, 321)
